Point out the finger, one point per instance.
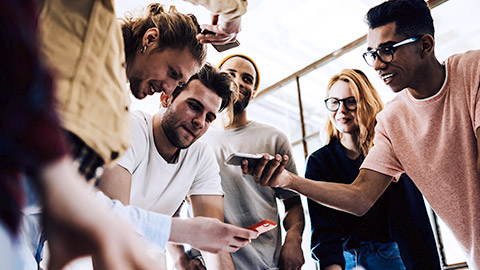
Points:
(245, 168)
(278, 171)
(258, 170)
(215, 19)
(217, 38)
(270, 169)
(239, 242)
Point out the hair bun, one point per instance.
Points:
(155, 9)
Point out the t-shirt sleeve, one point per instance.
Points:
(139, 143)
(207, 180)
(381, 157)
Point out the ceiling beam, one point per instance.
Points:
(324, 60)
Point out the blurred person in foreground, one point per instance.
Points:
(33, 144)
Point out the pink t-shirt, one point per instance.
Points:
(433, 141)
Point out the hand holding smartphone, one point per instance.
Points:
(221, 47)
(263, 226)
(236, 159)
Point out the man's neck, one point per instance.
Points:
(430, 81)
(162, 144)
(239, 120)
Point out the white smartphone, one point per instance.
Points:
(236, 159)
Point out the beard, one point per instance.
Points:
(135, 86)
(242, 104)
(168, 125)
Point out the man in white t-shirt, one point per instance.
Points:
(163, 165)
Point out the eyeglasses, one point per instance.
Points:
(333, 104)
(385, 53)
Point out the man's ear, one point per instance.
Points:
(428, 43)
(150, 36)
(164, 99)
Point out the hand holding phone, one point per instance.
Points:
(221, 47)
(236, 159)
(263, 226)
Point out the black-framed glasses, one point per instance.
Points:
(385, 53)
(333, 104)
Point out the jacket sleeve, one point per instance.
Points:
(229, 9)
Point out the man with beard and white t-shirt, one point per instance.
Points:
(165, 165)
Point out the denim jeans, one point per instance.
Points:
(374, 255)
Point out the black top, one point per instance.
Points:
(398, 215)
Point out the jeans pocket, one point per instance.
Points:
(388, 251)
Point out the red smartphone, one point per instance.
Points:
(222, 47)
(263, 226)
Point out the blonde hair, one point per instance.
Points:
(177, 31)
(368, 105)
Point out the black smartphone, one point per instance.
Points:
(222, 47)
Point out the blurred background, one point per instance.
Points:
(298, 46)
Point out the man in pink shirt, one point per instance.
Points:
(429, 130)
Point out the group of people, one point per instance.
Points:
(66, 120)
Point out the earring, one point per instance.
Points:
(143, 49)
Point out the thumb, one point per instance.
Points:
(214, 19)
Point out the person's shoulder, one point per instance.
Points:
(140, 118)
(464, 64)
(468, 56)
(140, 123)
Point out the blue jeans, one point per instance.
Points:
(374, 255)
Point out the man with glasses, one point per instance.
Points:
(429, 130)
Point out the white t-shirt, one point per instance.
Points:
(160, 186)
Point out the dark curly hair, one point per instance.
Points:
(412, 17)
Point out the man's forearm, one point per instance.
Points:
(356, 198)
(294, 221)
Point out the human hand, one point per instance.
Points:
(291, 255)
(225, 31)
(77, 225)
(210, 234)
(269, 172)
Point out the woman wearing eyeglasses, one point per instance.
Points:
(397, 223)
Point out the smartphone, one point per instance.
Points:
(222, 47)
(236, 159)
(263, 226)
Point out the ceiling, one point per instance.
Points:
(284, 37)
